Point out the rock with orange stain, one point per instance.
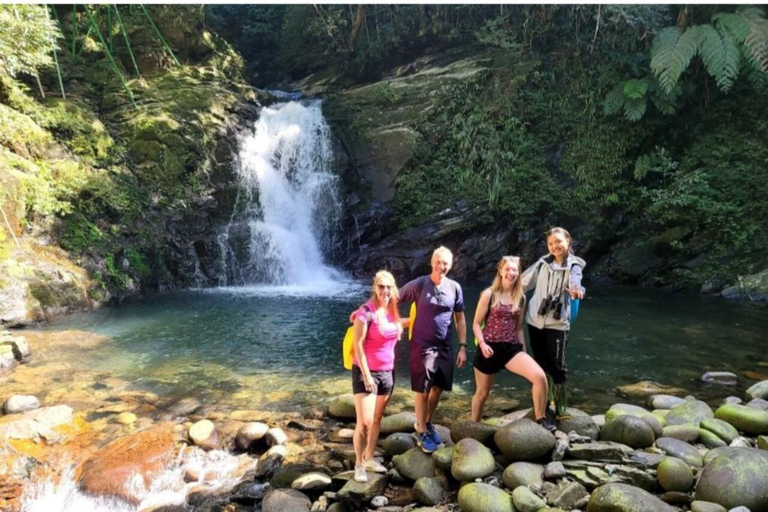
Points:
(127, 466)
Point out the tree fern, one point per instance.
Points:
(614, 101)
(721, 56)
(634, 109)
(672, 52)
(756, 42)
(635, 89)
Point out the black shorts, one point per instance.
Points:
(431, 367)
(383, 382)
(503, 352)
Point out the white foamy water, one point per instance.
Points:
(287, 208)
(218, 470)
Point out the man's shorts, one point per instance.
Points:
(383, 382)
(503, 353)
(431, 367)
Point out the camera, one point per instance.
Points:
(545, 305)
(558, 308)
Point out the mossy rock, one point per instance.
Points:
(681, 450)
(625, 498)
(343, 407)
(629, 430)
(524, 440)
(746, 419)
(737, 477)
(687, 432)
(400, 422)
(478, 497)
(482, 432)
(471, 459)
(691, 413)
(443, 457)
(675, 475)
(398, 443)
(710, 439)
(522, 473)
(429, 491)
(721, 429)
(526, 501)
(415, 464)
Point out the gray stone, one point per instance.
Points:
(716, 452)
(415, 464)
(737, 477)
(625, 498)
(721, 429)
(710, 440)
(285, 500)
(471, 429)
(398, 443)
(400, 422)
(628, 430)
(681, 450)
(601, 450)
(686, 432)
(443, 457)
(524, 440)
(526, 501)
(676, 498)
(471, 459)
(722, 378)
(561, 448)
(758, 390)
(250, 434)
(37, 423)
(363, 491)
(675, 475)
(751, 421)
(758, 403)
(523, 473)
(599, 420)
(762, 442)
(343, 407)
(429, 491)
(479, 497)
(692, 412)
(732, 400)
(566, 495)
(739, 509)
(706, 506)
(311, 482)
(554, 471)
(579, 422)
(646, 460)
(664, 401)
(20, 403)
(203, 434)
(275, 436)
(633, 410)
(379, 501)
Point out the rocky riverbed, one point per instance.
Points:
(137, 451)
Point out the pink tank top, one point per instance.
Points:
(501, 324)
(380, 340)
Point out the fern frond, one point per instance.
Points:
(642, 166)
(756, 43)
(635, 89)
(614, 101)
(634, 109)
(721, 56)
(758, 79)
(732, 23)
(672, 52)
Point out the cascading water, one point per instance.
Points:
(287, 207)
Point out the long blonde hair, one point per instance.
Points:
(383, 275)
(517, 288)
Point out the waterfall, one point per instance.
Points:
(287, 210)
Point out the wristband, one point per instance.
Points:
(462, 345)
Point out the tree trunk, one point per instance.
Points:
(359, 22)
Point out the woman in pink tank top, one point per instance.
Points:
(377, 329)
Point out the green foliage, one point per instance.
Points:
(80, 234)
(138, 262)
(27, 38)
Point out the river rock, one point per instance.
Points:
(400, 422)
(621, 409)
(415, 464)
(646, 388)
(759, 390)
(471, 459)
(250, 434)
(706, 506)
(664, 401)
(478, 497)
(710, 440)
(275, 436)
(343, 407)
(553, 471)
(599, 420)
(751, 421)
(471, 429)
(691, 413)
(270, 461)
(686, 432)
(20, 403)
(625, 498)
(628, 430)
(366, 491)
(722, 378)
(600, 450)
(762, 442)
(126, 467)
(398, 443)
(579, 422)
(737, 477)
(37, 423)
(758, 403)
(526, 501)
(429, 491)
(203, 434)
(524, 440)
(720, 428)
(126, 418)
(285, 500)
(443, 457)
(523, 473)
(566, 495)
(681, 450)
(314, 481)
(675, 475)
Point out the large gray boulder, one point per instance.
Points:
(625, 498)
(522, 473)
(566, 495)
(415, 464)
(746, 419)
(621, 409)
(20, 403)
(664, 401)
(579, 422)
(443, 457)
(628, 430)
(737, 477)
(687, 432)
(471, 459)
(675, 475)
(482, 432)
(692, 412)
(398, 443)
(343, 407)
(478, 497)
(363, 491)
(524, 440)
(681, 450)
(400, 422)
(526, 501)
(285, 500)
(600, 450)
(759, 390)
(429, 491)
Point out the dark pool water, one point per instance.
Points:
(281, 349)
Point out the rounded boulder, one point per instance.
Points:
(628, 430)
(524, 440)
(523, 473)
(675, 475)
(471, 459)
(691, 413)
(343, 407)
(746, 419)
(737, 477)
(625, 498)
(478, 497)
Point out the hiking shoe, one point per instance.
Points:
(374, 466)
(433, 434)
(547, 424)
(426, 442)
(360, 475)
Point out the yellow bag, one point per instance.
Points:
(348, 348)
(411, 320)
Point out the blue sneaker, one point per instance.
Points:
(433, 434)
(426, 443)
